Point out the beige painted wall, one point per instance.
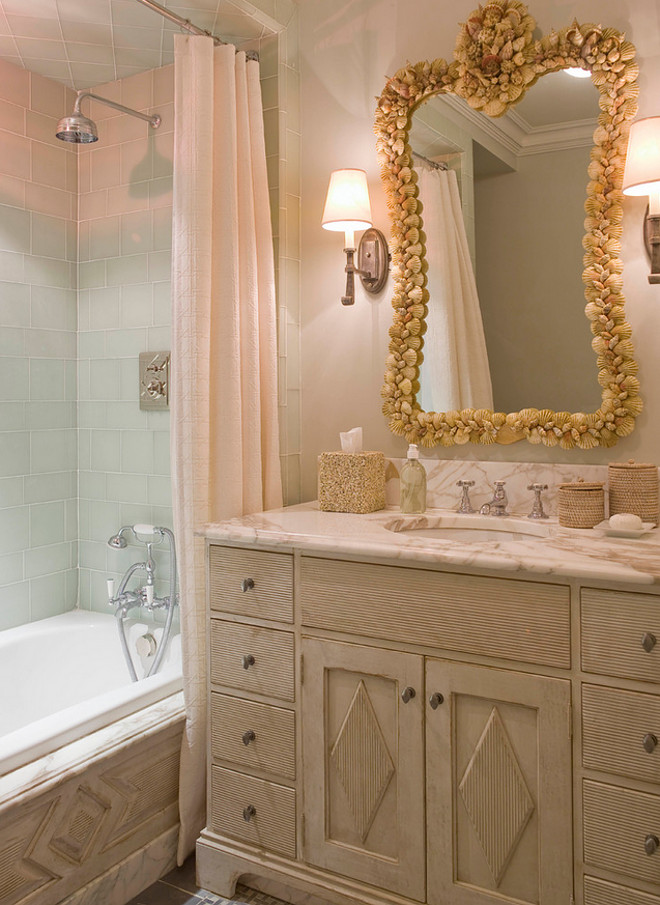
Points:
(347, 50)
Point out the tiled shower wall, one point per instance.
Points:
(119, 191)
(125, 238)
(38, 459)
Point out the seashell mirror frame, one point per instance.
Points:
(496, 61)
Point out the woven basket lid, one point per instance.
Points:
(582, 485)
(631, 464)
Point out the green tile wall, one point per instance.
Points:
(125, 239)
(38, 320)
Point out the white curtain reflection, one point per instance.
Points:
(455, 373)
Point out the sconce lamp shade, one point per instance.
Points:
(642, 172)
(347, 207)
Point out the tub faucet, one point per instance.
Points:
(497, 506)
(125, 600)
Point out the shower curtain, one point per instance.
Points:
(225, 437)
(454, 374)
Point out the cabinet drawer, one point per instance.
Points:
(252, 659)
(615, 725)
(600, 892)
(273, 747)
(516, 620)
(272, 824)
(616, 824)
(266, 577)
(613, 626)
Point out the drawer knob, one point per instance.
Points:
(648, 641)
(248, 737)
(247, 660)
(436, 700)
(651, 844)
(408, 694)
(649, 742)
(247, 584)
(249, 812)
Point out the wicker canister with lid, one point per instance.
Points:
(633, 487)
(581, 504)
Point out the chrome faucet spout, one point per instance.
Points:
(496, 506)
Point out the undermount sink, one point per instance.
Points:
(468, 528)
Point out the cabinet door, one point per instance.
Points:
(363, 764)
(499, 787)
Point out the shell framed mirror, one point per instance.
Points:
(456, 341)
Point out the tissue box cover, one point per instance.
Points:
(352, 482)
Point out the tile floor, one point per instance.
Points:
(179, 887)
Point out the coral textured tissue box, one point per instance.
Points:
(352, 481)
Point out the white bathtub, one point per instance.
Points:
(64, 677)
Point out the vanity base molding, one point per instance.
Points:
(221, 862)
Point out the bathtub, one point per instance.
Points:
(89, 763)
(68, 678)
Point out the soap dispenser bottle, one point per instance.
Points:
(413, 482)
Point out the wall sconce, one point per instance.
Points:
(348, 209)
(642, 177)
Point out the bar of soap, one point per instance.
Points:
(626, 521)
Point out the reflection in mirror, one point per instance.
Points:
(521, 182)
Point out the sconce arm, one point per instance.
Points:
(373, 259)
(652, 241)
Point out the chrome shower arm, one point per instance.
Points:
(154, 120)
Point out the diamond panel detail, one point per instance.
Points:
(81, 823)
(362, 760)
(496, 796)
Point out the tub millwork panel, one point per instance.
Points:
(54, 843)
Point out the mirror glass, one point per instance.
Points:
(521, 182)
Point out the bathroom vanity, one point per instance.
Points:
(398, 719)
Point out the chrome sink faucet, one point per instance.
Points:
(465, 506)
(497, 506)
(537, 508)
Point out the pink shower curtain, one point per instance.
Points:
(224, 435)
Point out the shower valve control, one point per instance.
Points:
(154, 380)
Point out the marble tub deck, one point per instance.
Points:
(179, 887)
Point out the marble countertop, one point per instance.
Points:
(545, 548)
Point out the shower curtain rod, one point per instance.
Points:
(432, 163)
(188, 26)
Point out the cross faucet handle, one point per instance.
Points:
(537, 508)
(465, 505)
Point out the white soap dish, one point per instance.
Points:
(606, 529)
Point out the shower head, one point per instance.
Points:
(77, 128)
(82, 130)
(118, 541)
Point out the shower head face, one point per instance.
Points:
(118, 541)
(77, 128)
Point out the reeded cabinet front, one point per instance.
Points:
(498, 763)
(363, 753)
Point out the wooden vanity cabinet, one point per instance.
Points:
(410, 733)
(620, 764)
